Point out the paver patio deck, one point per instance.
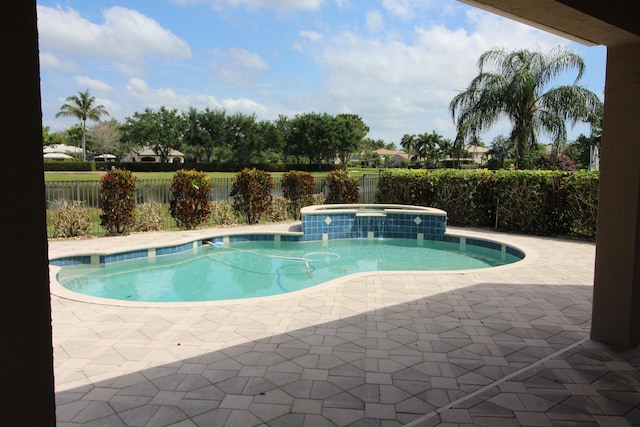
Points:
(506, 346)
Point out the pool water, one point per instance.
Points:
(263, 268)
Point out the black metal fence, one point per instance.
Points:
(159, 190)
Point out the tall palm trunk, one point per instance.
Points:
(84, 140)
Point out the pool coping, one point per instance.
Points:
(140, 242)
(367, 207)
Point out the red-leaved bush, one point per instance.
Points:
(189, 204)
(117, 201)
(342, 188)
(251, 192)
(297, 187)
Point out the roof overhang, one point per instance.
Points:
(589, 22)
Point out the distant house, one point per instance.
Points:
(56, 156)
(62, 149)
(392, 158)
(106, 157)
(478, 154)
(387, 158)
(147, 155)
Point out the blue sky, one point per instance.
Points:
(395, 63)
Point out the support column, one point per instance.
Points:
(616, 298)
(26, 359)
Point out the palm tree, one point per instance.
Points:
(421, 146)
(445, 148)
(501, 148)
(82, 107)
(408, 142)
(517, 91)
(427, 147)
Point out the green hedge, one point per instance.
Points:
(581, 198)
(530, 202)
(404, 186)
(214, 167)
(68, 165)
(546, 203)
(466, 196)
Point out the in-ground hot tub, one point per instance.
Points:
(323, 222)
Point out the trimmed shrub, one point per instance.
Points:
(280, 209)
(581, 190)
(68, 165)
(222, 214)
(531, 202)
(72, 220)
(466, 196)
(539, 202)
(317, 199)
(484, 199)
(343, 189)
(117, 201)
(251, 192)
(404, 186)
(149, 217)
(189, 204)
(297, 187)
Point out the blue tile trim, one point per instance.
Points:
(484, 244)
(515, 252)
(451, 239)
(123, 256)
(174, 249)
(61, 262)
(250, 238)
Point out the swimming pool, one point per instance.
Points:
(332, 241)
(248, 266)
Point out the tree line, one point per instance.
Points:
(215, 136)
(514, 85)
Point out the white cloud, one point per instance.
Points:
(400, 8)
(126, 37)
(242, 58)
(397, 84)
(237, 66)
(281, 5)
(306, 35)
(245, 106)
(51, 61)
(143, 96)
(91, 84)
(408, 10)
(310, 35)
(375, 21)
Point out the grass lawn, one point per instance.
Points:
(94, 176)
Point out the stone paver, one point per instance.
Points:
(503, 346)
